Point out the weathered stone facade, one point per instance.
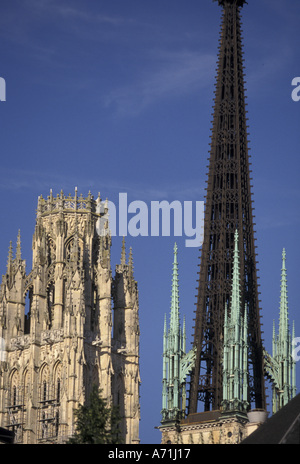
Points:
(212, 428)
(59, 330)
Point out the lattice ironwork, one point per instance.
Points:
(228, 208)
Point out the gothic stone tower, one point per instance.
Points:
(228, 208)
(56, 325)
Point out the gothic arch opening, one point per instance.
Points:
(14, 392)
(27, 313)
(94, 308)
(15, 406)
(44, 416)
(73, 249)
(57, 387)
(51, 251)
(50, 304)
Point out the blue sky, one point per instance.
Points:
(117, 97)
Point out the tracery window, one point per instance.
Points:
(73, 250)
(15, 407)
(51, 252)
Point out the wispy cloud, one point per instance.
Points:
(174, 74)
(41, 182)
(21, 24)
(64, 10)
(85, 15)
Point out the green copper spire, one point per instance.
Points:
(176, 363)
(235, 356)
(284, 387)
(174, 314)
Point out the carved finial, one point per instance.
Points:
(283, 258)
(123, 253)
(39, 206)
(18, 250)
(130, 264)
(175, 251)
(10, 258)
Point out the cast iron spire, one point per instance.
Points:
(228, 208)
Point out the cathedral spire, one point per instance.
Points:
(228, 207)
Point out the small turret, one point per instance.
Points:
(12, 289)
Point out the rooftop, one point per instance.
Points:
(282, 428)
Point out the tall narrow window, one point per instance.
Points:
(14, 398)
(27, 315)
(44, 391)
(94, 308)
(58, 391)
(50, 305)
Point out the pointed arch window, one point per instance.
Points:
(58, 391)
(14, 396)
(27, 314)
(50, 304)
(94, 308)
(45, 391)
(51, 252)
(73, 250)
